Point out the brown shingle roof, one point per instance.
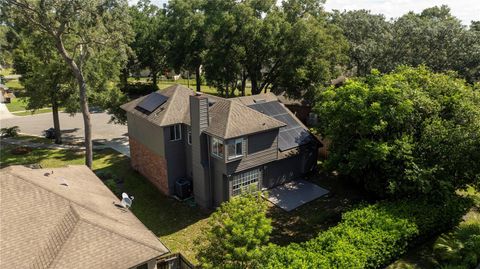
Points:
(45, 224)
(175, 110)
(230, 118)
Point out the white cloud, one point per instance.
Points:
(465, 10)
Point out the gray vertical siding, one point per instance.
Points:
(175, 156)
(188, 155)
(261, 148)
(147, 133)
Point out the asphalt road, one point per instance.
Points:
(113, 135)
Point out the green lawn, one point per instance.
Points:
(17, 104)
(17, 107)
(162, 84)
(14, 84)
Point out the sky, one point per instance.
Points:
(465, 10)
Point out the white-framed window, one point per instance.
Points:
(246, 182)
(217, 147)
(235, 148)
(175, 132)
(189, 135)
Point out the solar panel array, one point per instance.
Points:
(151, 102)
(290, 136)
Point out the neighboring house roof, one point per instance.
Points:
(253, 99)
(68, 219)
(228, 118)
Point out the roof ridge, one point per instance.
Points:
(228, 116)
(61, 231)
(125, 236)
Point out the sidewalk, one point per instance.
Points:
(4, 113)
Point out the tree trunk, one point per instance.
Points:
(254, 85)
(154, 79)
(82, 85)
(56, 120)
(198, 79)
(124, 78)
(244, 82)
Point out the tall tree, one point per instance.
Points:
(434, 38)
(81, 31)
(186, 34)
(368, 36)
(291, 48)
(149, 44)
(46, 78)
(406, 133)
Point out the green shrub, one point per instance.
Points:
(460, 248)
(236, 233)
(10, 131)
(370, 236)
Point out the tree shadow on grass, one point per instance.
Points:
(306, 221)
(162, 214)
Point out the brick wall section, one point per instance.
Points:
(149, 164)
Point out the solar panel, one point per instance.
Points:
(291, 136)
(151, 102)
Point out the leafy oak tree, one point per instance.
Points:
(90, 36)
(434, 38)
(292, 48)
(406, 133)
(186, 34)
(46, 78)
(149, 45)
(236, 233)
(368, 36)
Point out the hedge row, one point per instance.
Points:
(371, 236)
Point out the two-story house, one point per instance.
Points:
(224, 146)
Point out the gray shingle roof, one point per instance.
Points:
(229, 119)
(45, 224)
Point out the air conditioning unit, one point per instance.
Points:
(183, 189)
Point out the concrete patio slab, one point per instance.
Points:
(294, 194)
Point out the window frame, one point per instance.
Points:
(175, 128)
(242, 183)
(189, 135)
(214, 149)
(235, 143)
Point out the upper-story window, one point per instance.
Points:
(217, 147)
(175, 132)
(235, 148)
(189, 135)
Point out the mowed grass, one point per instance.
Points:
(164, 83)
(176, 224)
(18, 107)
(14, 84)
(17, 104)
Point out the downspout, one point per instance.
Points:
(212, 189)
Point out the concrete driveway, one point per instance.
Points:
(113, 135)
